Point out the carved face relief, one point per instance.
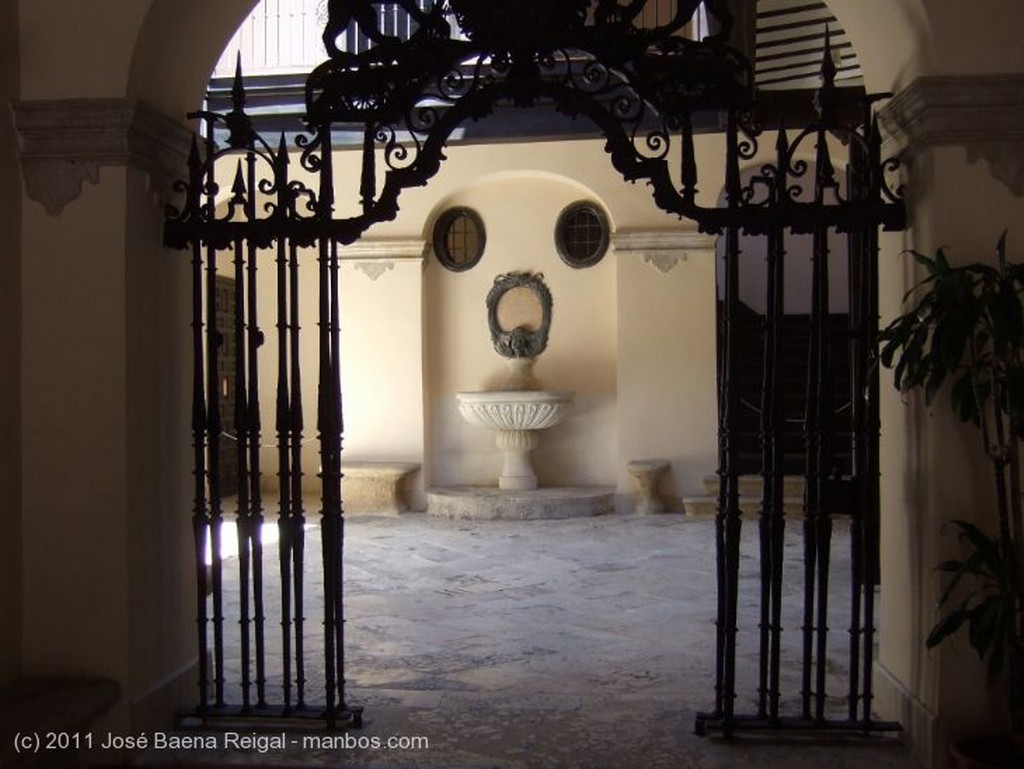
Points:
(519, 314)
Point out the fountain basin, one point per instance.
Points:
(516, 416)
(514, 409)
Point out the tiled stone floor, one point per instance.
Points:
(566, 643)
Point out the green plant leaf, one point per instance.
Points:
(928, 263)
(972, 566)
(965, 400)
(1001, 252)
(978, 539)
(985, 624)
(946, 626)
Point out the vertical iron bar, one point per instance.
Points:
(823, 518)
(368, 180)
(242, 519)
(871, 510)
(824, 398)
(721, 583)
(328, 431)
(689, 161)
(859, 365)
(339, 542)
(298, 518)
(766, 427)
(254, 338)
(200, 515)
(214, 339)
(812, 438)
(774, 449)
(857, 370)
(813, 481)
(778, 520)
(729, 475)
(282, 425)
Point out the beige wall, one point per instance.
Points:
(920, 446)
(74, 385)
(10, 349)
(415, 334)
(108, 589)
(519, 192)
(382, 357)
(161, 553)
(667, 404)
(107, 577)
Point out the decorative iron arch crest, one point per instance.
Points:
(642, 86)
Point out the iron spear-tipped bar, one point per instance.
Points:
(282, 419)
(200, 515)
(254, 512)
(214, 340)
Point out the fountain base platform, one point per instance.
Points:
(489, 503)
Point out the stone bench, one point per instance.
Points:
(375, 487)
(59, 705)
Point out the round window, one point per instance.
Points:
(459, 238)
(581, 235)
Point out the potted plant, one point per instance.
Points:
(964, 332)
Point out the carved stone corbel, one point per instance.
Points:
(373, 258)
(664, 250)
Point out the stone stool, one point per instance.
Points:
(375, 487)
(647, 474)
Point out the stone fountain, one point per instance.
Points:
(519, 316)
(516, 416)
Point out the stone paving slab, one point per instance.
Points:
(581, 643)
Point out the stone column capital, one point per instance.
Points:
(983, 113)
(64, 143)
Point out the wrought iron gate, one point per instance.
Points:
(631, 71)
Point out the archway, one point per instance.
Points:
(646, 88)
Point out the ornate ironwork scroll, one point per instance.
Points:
(629, 68)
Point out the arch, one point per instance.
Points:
(645, 91)
(176, 49)
(881, 32)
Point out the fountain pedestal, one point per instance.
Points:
(517, 472)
